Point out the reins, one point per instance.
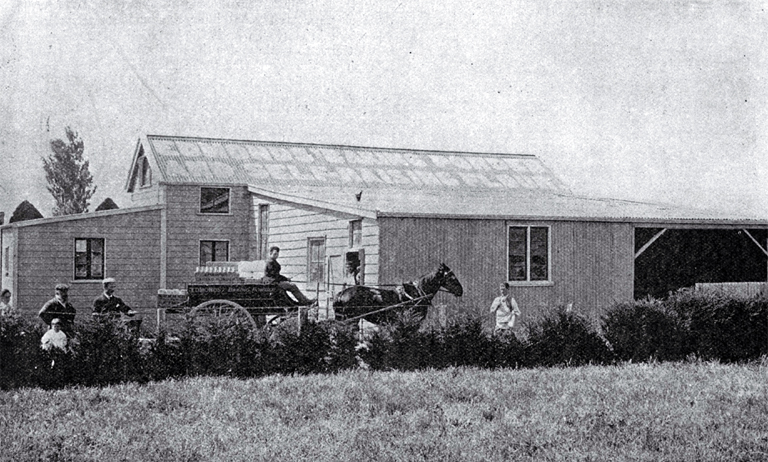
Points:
(408, 302)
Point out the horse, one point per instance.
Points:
(417, 295)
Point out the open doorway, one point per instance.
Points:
(680, 258)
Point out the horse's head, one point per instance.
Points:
(449, 280)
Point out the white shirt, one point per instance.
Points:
(506, 311)
(54, 339)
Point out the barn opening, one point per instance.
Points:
(669, 259)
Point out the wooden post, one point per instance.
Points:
(298, 319)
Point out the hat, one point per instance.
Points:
(62, 287)
(108, 281)
(55, 321)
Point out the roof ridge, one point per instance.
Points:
(336, 146)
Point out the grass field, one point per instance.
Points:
(671, 411)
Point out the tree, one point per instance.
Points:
(107, 204)
(25, 211)
(69, 180)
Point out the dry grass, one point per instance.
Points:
(680, 411)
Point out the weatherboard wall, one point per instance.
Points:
(591, 262)
(291, 226)
(185, 227)
(132, 252)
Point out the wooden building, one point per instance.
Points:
(395, 213)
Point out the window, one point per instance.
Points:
(528, 255)
(213, 251)
(146, 173)
(355, 234)
(89, 258)
(263, 233)
(315, 260)
(214, 200)
(6, 260)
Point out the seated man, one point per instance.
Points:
(272, 275)
(108, 305)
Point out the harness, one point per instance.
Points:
(404, 296)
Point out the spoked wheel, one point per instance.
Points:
(220, 314)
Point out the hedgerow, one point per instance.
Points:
(706, 326)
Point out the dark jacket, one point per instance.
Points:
(54, 309)
(272, 273)
(109, 305)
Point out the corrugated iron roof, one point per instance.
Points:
(402, 182)
(285, 165)
(501, 204)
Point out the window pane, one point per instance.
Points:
(146, 174)
(517, 254)
(355, 233)
(221, 251)
(316, 270)
(97, 259)
(81, 245)
(263, 231)
(81, 265)
(539, 254)
(214, 200)
(206, 252)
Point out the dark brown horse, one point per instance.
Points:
(417, 295)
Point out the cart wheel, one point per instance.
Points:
(220, 314)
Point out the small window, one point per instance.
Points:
(263, 237)
(214, 200)
(146, 173)
(213, 251)
(89, 258)
(528, 254)
(355, 234)
(316, 260)
(6, 259)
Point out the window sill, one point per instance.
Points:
(85, 281)
(531, 283)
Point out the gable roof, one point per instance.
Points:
(400, 182)
(286, 165)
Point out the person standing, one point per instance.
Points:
(59, 307)
(6, 309)
(272, 275)
(506, 309)
(108, 302)
(109, 305)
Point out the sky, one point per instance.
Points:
(638, 100)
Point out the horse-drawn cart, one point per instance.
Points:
(224, 294)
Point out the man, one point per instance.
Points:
(272, 275)
(108, 305)
(55, 337)
(59, 307)
(506, 309)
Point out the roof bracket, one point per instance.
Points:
(651, 241)
(755, 241)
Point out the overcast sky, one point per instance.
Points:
(650, 101)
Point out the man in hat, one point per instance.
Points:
(55, 337)
(59, 307)
(109, 305)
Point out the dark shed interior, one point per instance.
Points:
(682, 257)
